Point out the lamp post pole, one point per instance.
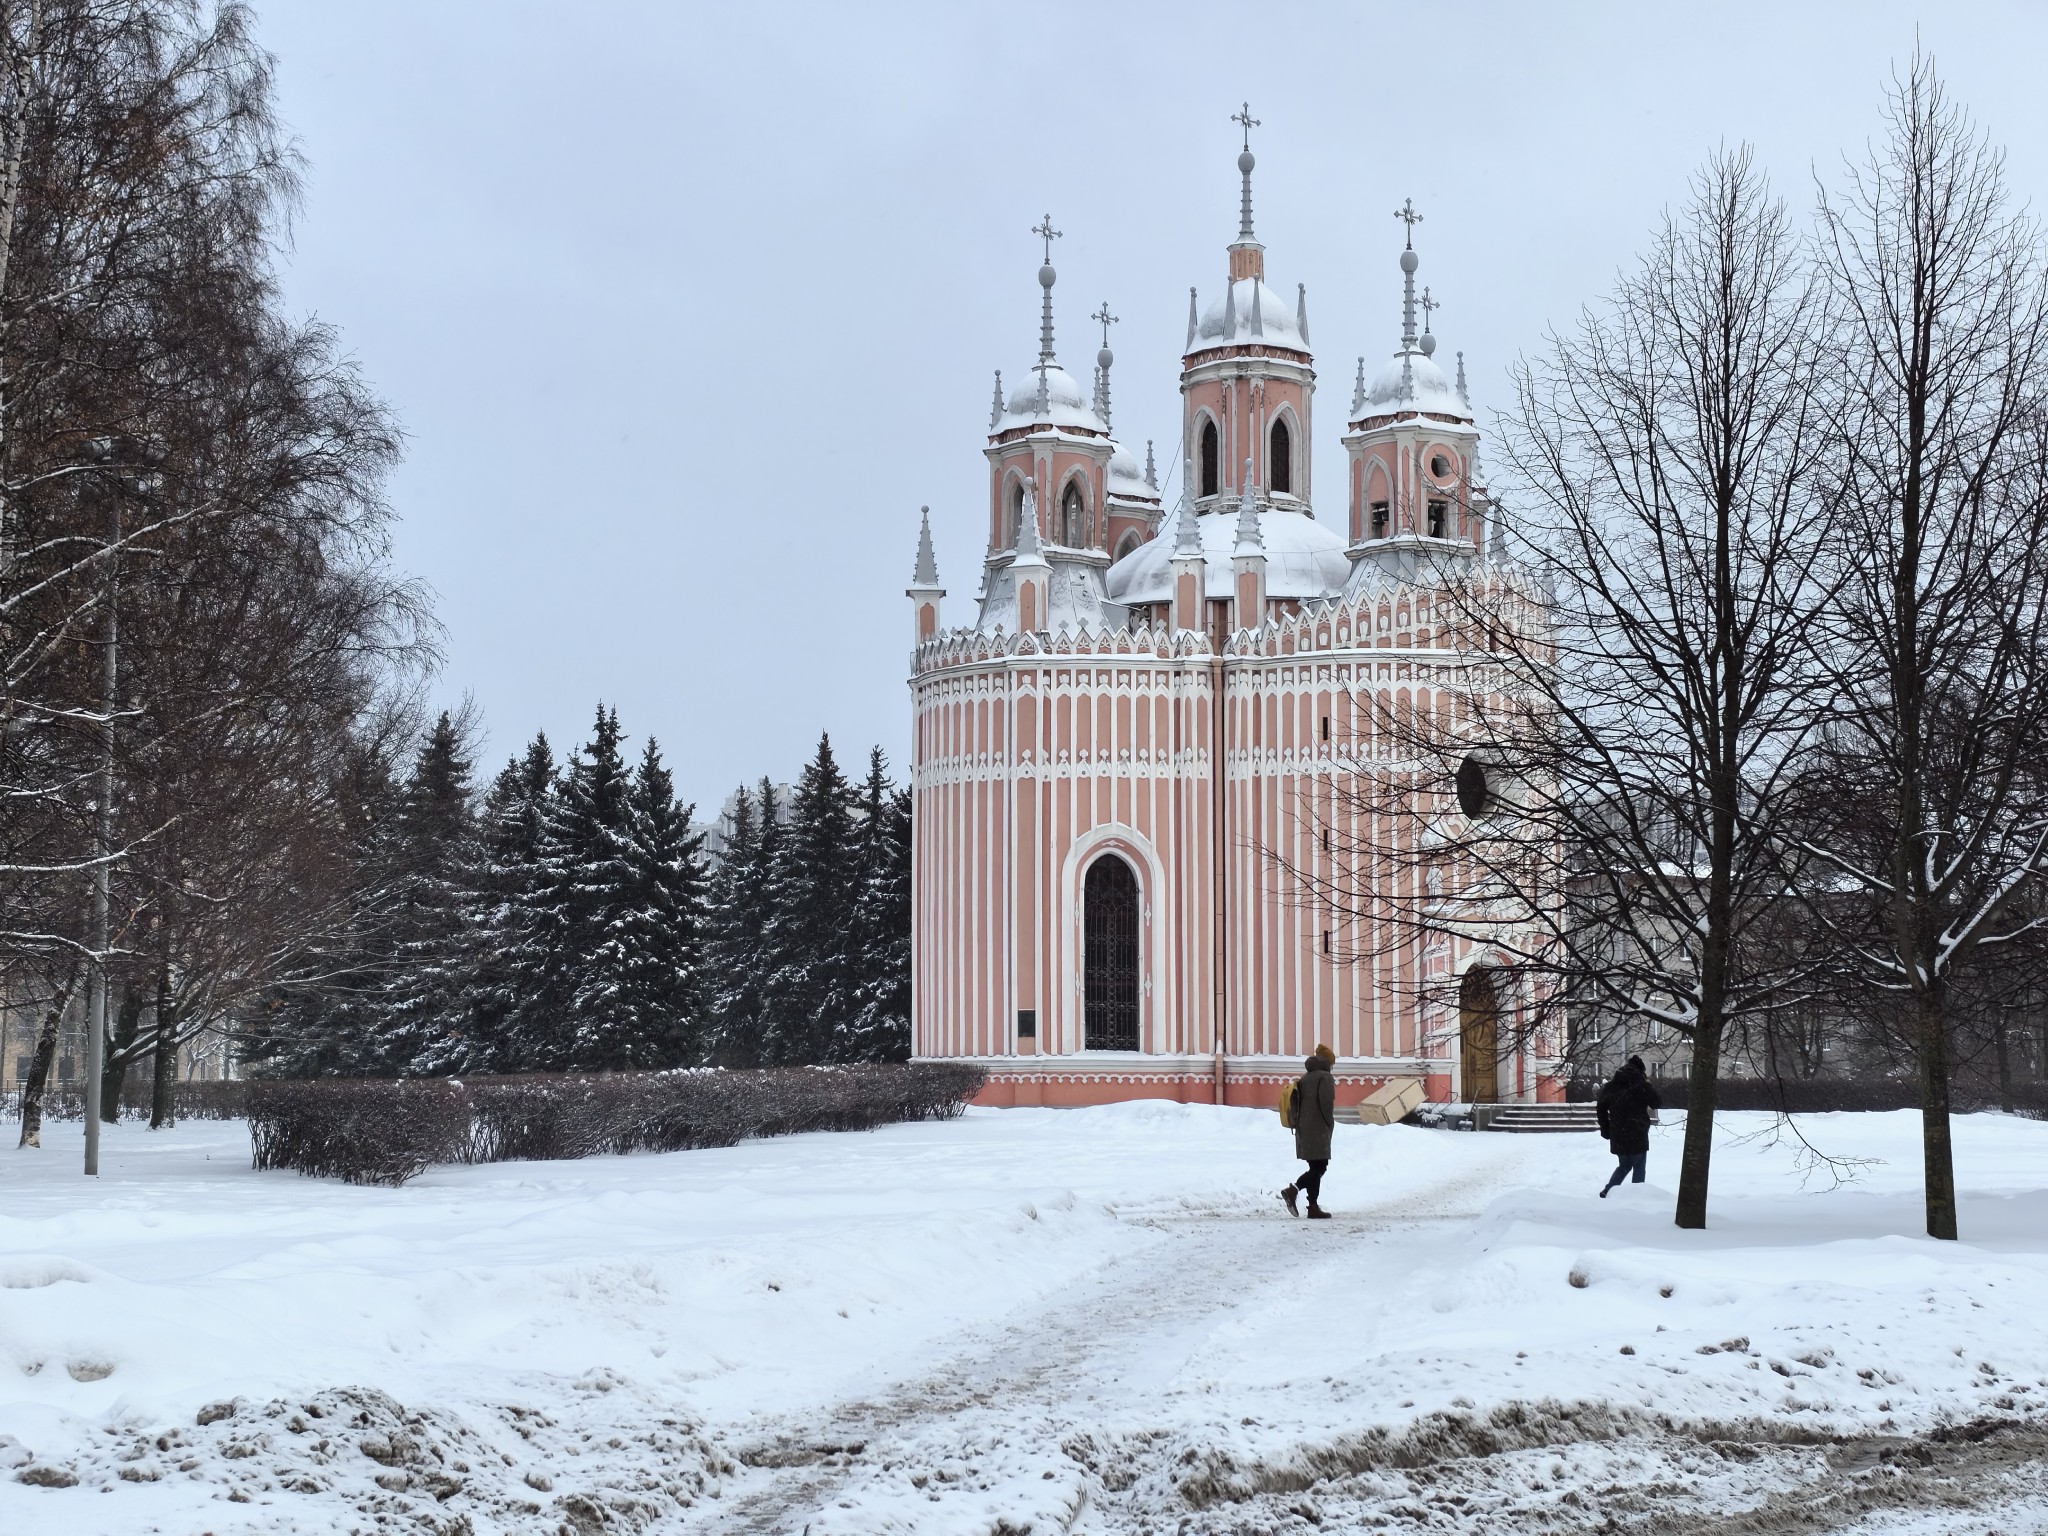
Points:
(96, 1006)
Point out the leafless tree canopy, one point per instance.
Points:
(151, 381)
(1748, 729)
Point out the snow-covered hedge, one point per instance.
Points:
(384, 1130)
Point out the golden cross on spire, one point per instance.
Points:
(1407, 215)
(1243, 117)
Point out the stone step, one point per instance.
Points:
(1543, 1119)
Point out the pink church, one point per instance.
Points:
(1146, 710)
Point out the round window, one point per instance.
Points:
(1473, 793)
(1440, 467)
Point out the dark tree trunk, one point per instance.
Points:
(1931, 1038)
(127, 1024)
(43, 1063)
(166, 1054)
(1703, 1082)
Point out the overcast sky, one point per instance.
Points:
(686, 308)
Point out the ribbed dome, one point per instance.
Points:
(1431, 391)
(1303, 559)
(1126, 478)
(1276, 319)
(1066, 405)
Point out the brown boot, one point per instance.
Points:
(1316, 1212)
(1288, 1194)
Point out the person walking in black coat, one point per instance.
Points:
(1627, 1106)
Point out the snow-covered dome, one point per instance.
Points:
(1066, 405)
(1431, 391)
(1276, 327)
(1303, 559)
(1126, 478)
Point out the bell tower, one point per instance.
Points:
(1247, 377)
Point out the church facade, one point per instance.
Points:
(1130, 767)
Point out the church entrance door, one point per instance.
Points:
(1109, 970)
(1479, 1037)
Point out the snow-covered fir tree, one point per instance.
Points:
(737, 930)
(879, 1029)
(569, 955)
(437, 876)
(638, 1003)
(809, 991)
(493, 968)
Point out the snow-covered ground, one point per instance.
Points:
(1083, 1320)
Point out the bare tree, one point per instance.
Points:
(1929, 812)
(1598, 803)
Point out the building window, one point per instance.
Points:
(1379, 519)
(1438, 511)
(1326, 727)
(1210, 456)
(1440, 467)
(1016, 513)
(1280, 462)
(1073, 517)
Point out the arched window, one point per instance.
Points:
(1210, 482)
(1280, 461)
(1016, 513)
(1073, 517)
(1109, 960)
(1128, 544)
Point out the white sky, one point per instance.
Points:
(688, 307)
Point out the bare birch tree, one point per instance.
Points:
(1928, 834)
(1598, 802)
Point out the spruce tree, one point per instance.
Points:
(880, 1026)
(639, 1006)
(572, 952)
(501, 964)
(736, 947)
(809, 975)
(423, 1024)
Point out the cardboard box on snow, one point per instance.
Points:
(1391, 1101)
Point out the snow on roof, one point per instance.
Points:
(1066, 405)
(1275, 315)
(1303, 559)
(1126, 478)
(1430, 390)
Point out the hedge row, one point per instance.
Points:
(214, 1099)
(385, 1130)
(1821, 1095)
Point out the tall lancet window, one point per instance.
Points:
(1073, 517)
(1016, 513)
(1209, 458)
(1280, 462)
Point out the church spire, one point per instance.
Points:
(1102, 361)
(1247, 256)
(1046, 278)
(927, 572)
(1409, 262)
(995, 411)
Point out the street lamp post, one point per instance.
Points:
(99, 997)
(103, 836)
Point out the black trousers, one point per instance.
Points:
(1311, 1183)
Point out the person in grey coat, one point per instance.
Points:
(1315, 1116)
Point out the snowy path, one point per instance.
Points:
(1072, 1385)
(1085, 1321)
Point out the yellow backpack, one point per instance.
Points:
(1287, 1105)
